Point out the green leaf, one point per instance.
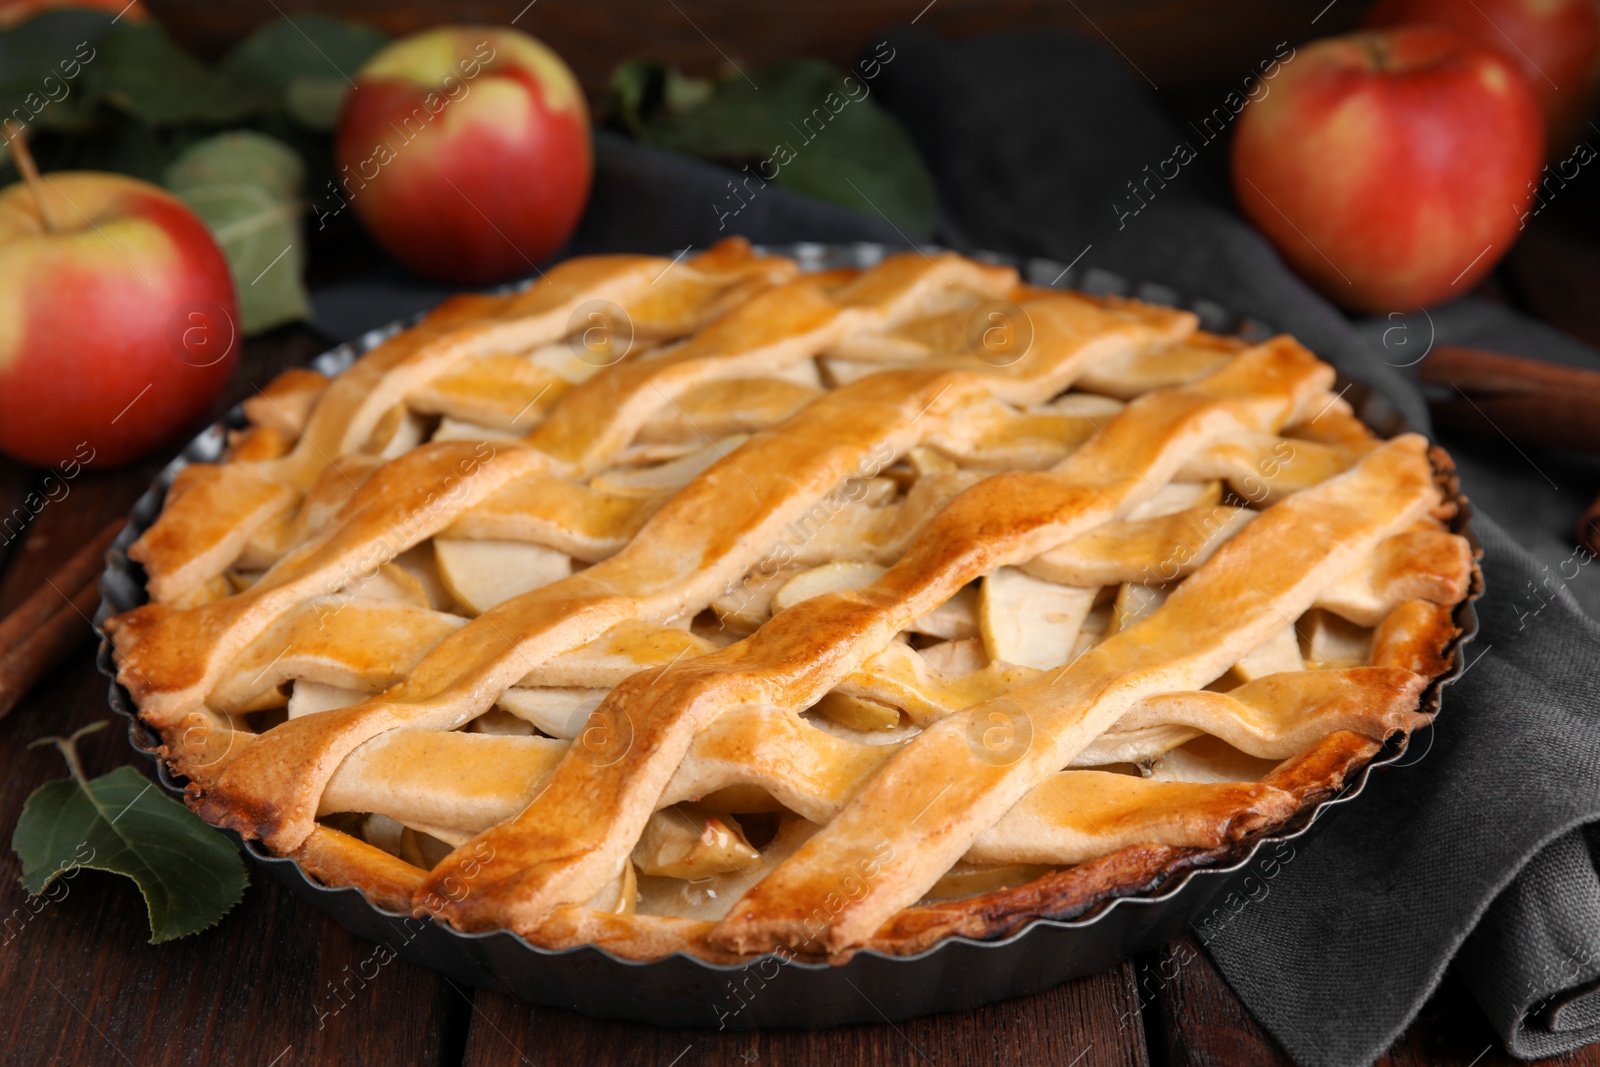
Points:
(642, 86)
(806, 128)
(189, 874)
(142, 73)
(306, 64)
(42, 66)
(248, 188)
(315, 102)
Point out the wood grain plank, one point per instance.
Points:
(80, 509)
(1199, 1020)
(1090, 1022)
(15, 483)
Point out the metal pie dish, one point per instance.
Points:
(681, 990)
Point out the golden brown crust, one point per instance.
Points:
(326, 492)
(337, 859)
(1324, 767)
(1416, 636)
(1451, 501)
(1059, 895)
(1239, 599)
(210, 513)
(285, 403)
(257, 444)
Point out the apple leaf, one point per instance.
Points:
(641, 87)
(806, 128)
(314, 102)
(248, 188)
(42, 66)
(305, 63)
(306, 46)
(140, 71)
(190, 875)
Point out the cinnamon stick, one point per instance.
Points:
(1526, 400)
(1529, 401)
(52, 621)
(1588, 530)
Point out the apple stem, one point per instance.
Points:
(1378, 49)
(30, 172)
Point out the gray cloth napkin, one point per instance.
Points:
(1534, 958)
(1034, 140)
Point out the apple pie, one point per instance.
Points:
(723, 607)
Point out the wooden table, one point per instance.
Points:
(82, 986)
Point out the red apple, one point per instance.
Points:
(1556, 43)
(465, 150)
(16, 12)
(116, 318)
(1391, 168)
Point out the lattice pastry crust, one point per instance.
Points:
(719, 607)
